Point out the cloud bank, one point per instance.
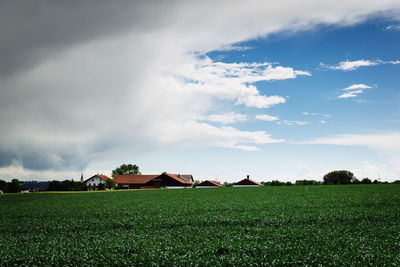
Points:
(80, 81)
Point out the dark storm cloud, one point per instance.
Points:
(43, 160)
(31, 31)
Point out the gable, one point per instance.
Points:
(210, 183)
(247, 182)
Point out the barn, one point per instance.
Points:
(93, 182)
(247, 182)
(147, 181)
(209, 184)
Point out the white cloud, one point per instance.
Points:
(383, 141)
(232, 81)
(388, 144)
(356, 86)
(351, 94)
(232, 47)
(192, 133)
(323, 121)
(353, 65)
(266, 117)
(290, 123)
(226, 118)
(305, 113)
(393, 27)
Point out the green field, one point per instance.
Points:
(291, 225)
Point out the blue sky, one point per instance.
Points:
(314, 101)
(220, 90)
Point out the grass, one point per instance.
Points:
(297, 225)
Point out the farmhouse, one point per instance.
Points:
(93, 182)
(146, 181)
(246, 183)
(209, 184)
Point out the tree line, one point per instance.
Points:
(331, 178)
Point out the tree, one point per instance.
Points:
(3, 185)
(339, 177)
(110, 183)
(366, 181)
(100, 186)
(126, 169)
(226, 184)
(13, 186)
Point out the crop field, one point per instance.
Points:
(291, 225)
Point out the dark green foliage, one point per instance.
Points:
(3, 185)
(67, 185)
(126, 169)
(338, 177)
(110, 183)
(13, 186)
(263, 226)
(307, 182)
(226, 184)
(366, 181)
(34, 184)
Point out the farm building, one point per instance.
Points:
(146, 181)
(93, 182)
(209, 184)
(246, 183)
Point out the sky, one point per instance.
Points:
(218, 89)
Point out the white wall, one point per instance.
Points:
(95, 181)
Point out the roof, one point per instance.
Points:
(187, 177)
(177, 177)
(101, 176)
(210, 183)
(247, 182)
(134, 178)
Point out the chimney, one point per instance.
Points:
(248, 177)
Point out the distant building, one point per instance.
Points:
(209, 184)
(247, 183)
(93, 182)
(147, 181)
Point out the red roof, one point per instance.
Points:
(176, 177)
(101, 176)
(134, 178)
(208, 182)
(247, 182)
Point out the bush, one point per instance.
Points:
(366, 181)
(339, 177)
(13, 186)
